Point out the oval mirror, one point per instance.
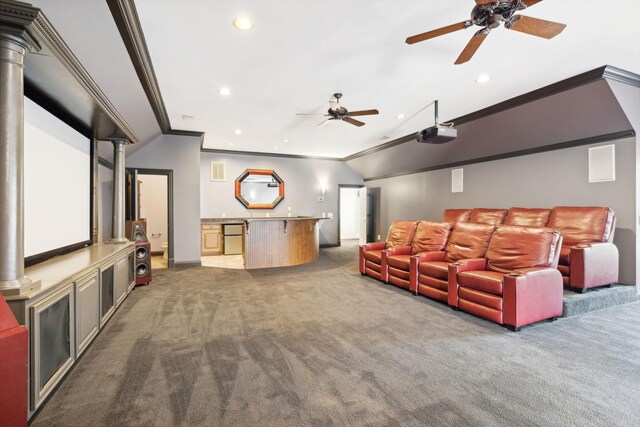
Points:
(259, 189)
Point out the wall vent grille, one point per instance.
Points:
(218, 171)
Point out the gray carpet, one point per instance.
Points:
(320, 345)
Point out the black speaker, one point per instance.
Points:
(143, 262)
(136, 230)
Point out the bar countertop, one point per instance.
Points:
(237, 220)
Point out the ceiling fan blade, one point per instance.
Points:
(536, 27)
(353, 121)
(322, 123)
(483, 2)
(530, 3)
(364, 113)
(438, 32)
(472, 46)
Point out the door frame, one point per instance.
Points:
(340, 207)
(169, 174)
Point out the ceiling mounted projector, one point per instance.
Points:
(437, 134)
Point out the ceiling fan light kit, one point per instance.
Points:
(489, 15)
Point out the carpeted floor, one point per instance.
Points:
(320, 345)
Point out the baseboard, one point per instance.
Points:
(329, 245)
(187, 264)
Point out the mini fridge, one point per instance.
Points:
(232, 238)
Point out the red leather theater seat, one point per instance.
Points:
(371, 261)
(428, 272)
(456, 215)
(487, 216)
(13, 369)
(588, 257)
(529, 217)
(518, 284)
(429, 237)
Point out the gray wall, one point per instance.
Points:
(182, 155)
(302, 183)
(547, 179)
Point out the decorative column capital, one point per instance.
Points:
(17, 24)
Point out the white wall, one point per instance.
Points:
(302, 178)
(547, 179)
(153, 207)
(181, 154)
(349, 213)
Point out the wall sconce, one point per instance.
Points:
(323, 190)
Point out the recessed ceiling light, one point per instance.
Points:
(285, 140)
(231, 143)
(400, 116)
(275, 146)
(243, 23)
(224, 91)
(483, 78)
(238, 131)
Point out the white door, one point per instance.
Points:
(362, 214)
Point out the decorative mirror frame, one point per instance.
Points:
(250, 205)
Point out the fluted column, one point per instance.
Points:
(118, 215)
(12, 52)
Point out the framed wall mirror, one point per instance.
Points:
(259, 189)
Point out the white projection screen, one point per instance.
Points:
(57, 183)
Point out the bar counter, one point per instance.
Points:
(276, 241)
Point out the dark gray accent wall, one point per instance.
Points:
(582, 112)
(302, 183)
(538, 180)
(181, 154)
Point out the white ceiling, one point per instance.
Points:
(300, 52)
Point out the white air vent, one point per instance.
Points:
(218, 171)
(602, 163)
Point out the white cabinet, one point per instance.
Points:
(87, 311)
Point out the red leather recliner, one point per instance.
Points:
(428, 273)
(13, 369)
(530, 217)
(588, 257)
(487, 216)
(456, 215)
(518, 282)
(370, 259)
(429, 237)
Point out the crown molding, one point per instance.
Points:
(258, 153)
(126, 18)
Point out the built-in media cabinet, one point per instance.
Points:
(79, 294)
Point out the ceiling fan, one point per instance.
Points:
(489, 14)
(338, 112)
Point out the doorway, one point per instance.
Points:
(352, 214)
(150, 198)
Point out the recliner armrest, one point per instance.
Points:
(593, 264)
(398, 250)
(470, 264)
(429, 256)
(530, 295)
(375, 246)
